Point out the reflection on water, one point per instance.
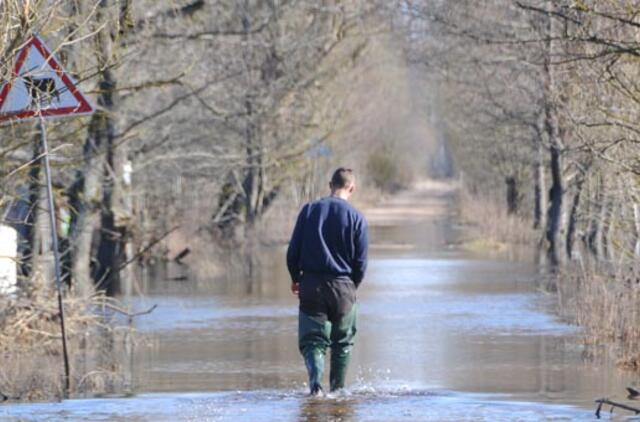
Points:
(269, 405)
(442, 336)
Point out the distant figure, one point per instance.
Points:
(41, 90)
(327, 258)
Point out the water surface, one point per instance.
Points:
(443, 335)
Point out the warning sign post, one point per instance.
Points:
(39, 88)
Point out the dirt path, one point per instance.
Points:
(425, 200)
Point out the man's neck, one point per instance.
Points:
(340, 193)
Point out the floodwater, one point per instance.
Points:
(443, 336)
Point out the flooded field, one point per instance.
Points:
(443, 336)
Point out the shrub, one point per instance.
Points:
(387, 171)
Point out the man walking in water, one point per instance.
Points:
(327, 258)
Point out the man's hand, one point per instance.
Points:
(295, 288)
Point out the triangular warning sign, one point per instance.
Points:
(39, 86)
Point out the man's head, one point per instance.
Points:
(343, 183)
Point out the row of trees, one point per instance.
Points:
(208, 114)
(540, 100)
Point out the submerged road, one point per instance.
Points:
(443, 336)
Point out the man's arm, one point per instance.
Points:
(361, 250)
(295, 244)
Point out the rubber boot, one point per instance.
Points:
(314, 361)
(313, 340)
(342, 340)
(338, 373)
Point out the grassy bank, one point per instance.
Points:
(601, 297)
(604, 301)
(491, 228)
(31, 347)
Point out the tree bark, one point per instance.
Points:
(573, 216)
(554, 215)
(593, 232)
(513, 195)
(112, 245)
(40, 232)
(554, 132)
(92, 226)
(539, 182)
(636, 221)
(601, 224)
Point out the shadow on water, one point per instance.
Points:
(443, 335)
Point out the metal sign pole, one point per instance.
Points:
(56, 253)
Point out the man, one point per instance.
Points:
(327, 258)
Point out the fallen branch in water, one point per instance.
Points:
(145, 249)
(613, 405)
(130, 315)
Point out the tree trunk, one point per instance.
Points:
(552, 127)
(92, 227)
(595, 222)
(513, 196)
(31, 245)
(573, 216)
(554, 216)
(539, 183)
(43, 247)
(636, 221)
(111, 247)
(600, 235)
(255, 174)
(608, 246)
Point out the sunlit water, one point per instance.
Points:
(443, 336)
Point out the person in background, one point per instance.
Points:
(327, 259)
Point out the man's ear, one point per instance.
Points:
(352, 188)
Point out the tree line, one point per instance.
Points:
(539, 100)
(208, 114)
(540, 103)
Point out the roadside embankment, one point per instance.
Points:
(31, 347)
(598, 293)
(491, 229)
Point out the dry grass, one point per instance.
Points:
(493, 228)
(30, 345)
(605, 303)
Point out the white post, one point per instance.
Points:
(8, 256)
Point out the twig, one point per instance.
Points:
(613, 405)
(130, 315)
(146, 248)
(27, 164)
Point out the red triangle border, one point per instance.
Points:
(83, 107)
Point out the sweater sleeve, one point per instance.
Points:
(361, 250)
(295, 245)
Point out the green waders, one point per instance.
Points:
(327, 318)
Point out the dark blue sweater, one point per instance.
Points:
(330, 237)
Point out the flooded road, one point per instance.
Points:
(443, 336)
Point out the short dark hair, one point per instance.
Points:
(342, 178)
